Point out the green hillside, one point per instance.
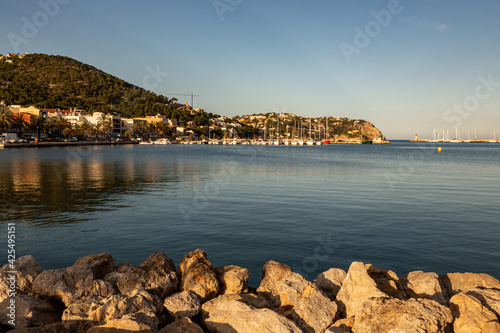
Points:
(60, 82)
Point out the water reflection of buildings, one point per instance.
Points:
(26, 176)
(46, 186)
(95, 174)
(75, 178)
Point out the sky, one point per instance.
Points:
(410, 67)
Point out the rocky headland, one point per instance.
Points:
(96, 295)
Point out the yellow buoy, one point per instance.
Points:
(439, 149)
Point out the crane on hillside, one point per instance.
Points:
(191, 94)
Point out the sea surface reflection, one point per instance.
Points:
(402, 207)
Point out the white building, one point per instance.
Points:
(96, 118)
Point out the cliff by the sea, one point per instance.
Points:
(96, 295)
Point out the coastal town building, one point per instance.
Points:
(34, 111)
(96, 119)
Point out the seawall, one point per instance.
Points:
(97, 295)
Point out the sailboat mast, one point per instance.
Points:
(310, 128)
(278, 133)
(326, 131)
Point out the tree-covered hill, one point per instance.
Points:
(60, 82)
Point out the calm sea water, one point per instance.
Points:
(402, 207)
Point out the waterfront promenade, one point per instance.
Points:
(64, 144)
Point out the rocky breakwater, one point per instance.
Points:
(96, 295)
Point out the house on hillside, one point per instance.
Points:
(34, 111)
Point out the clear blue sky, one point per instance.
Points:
(253, 56)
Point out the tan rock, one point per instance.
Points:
(330, 281)
(303, 303)
(491, 327)
(255, 300)
(77, 317)
(273, 272)
(395, 315)
(387, 281)
(463, 282)
(184, 325)
(30, 311)
(490, 298)
(156, 275)
(118, 306)
(124, 267)
(128, 323)
(357, 287)
(222, 316)
(345, 323)
(183, 304)
(27, 269)
(335, 329)
(470, 315)
(83, 314)
(424, 285)
(70, 284)
(113, 278)
(197, 275)
(233, 279)
(101, 264)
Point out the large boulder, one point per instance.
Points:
(183, 304)
(356, 288)
(139, 308)
(30, 312)
(223, 315)
(463, 282)
(70, 284)
(273, 272)
(330, 281)
(424, 285)
(184, 325)
(156, 275)
(471, 316)
(384, 314)
(387, 281)
(233, 279)
(100, 264)
(198, 275)
(490, 298)
(299, 299)
(26, 268)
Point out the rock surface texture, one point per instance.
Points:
(197, 275)
(97, 296)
